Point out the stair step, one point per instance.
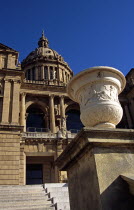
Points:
(57, 194)
(34, 197)
(55, 185)
(24, 204)
(61, 199)
(63, 205)
(23, 199)
(41, 207)
(21, 191)
(57, 189)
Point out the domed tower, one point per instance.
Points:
(47, 114)
(46, 66)
(44, 95)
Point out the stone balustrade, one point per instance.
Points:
(45, 82)
(47, 135)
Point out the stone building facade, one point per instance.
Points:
(37, 118)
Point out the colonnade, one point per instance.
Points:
(39, 73)
(51, 114)
(42, 73)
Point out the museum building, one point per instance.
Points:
(37, 117)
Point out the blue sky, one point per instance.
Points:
(86, 33)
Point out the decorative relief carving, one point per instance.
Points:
(56, 110)
(40, 147)
(93, 94)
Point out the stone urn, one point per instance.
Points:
(96, 90)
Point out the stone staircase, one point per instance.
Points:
(28, 197)
(58, 194)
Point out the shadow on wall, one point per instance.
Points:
(117, 196)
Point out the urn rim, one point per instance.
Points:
(95, 68)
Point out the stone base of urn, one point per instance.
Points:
(98, 163)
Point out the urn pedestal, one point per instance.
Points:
(96, 90)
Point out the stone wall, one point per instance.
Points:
(9, 157)
(95, 161)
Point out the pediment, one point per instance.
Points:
(6, 48)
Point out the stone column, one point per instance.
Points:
(42, 72)
(52, 115)
(48, 72)
(58, 74)
(16, 103)
(64, 76)
(22, 111)
(6, 102)
(63, 118)
(62, 107)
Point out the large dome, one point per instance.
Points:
(43, 52)
(45, 63)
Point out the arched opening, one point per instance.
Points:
(73, 121)
(36, 121)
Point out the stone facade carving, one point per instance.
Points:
(98, 92)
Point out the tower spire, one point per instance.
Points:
(43, 33)
(43, 41)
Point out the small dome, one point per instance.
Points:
(46, 65)
(43, 52)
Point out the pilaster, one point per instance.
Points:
(42, 72)
(48, 72)
(36, 73)
(6, 101)
(62, 107)
(22, 111)
(52, 115)
(16, 101)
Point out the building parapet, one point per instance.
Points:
(49, 135)
(45, 82)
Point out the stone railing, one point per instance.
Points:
(39, 135)
(45, 82)
(48, 135)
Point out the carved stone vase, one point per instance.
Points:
(96, 90)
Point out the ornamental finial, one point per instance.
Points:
(42, 33)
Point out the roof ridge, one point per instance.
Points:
(6, 47)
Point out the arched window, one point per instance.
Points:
(73, 120)
(35, 119)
